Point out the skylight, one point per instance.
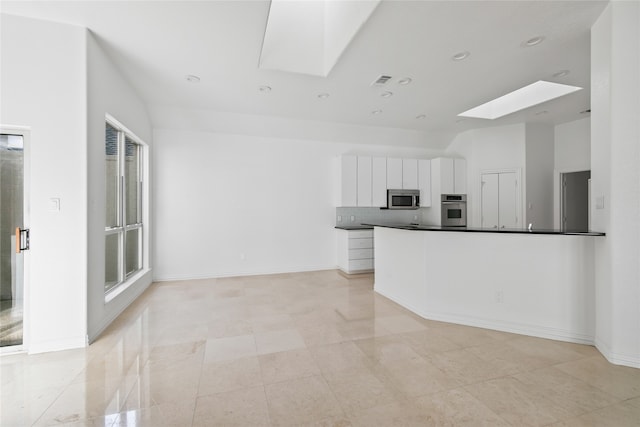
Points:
(309, 36)
(525, 97)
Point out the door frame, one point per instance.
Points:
(519, 196)
(558, 209)
(26, 309)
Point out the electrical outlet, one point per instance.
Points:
(339, 218)
(243, 257)
(415, 217)
(499, 296)
(353, 218)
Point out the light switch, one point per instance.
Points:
(54, 204)
(600, 202)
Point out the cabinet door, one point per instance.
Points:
(364, 181)
(424, 182)
(410, 174)
(489, 200)
(508, 209)
(446, 176)
(379, 181)
(460, 176)
(394, 173)
(348, 181)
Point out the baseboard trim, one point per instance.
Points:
(511, 327)
(57, 345)
(632, 361)
(242, 274)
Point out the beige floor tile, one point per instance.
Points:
(320, 334)
(345, 356)
(388, 349)
(287, 365)
(415, 378)
(572, 394)
(358, 390)
(457, 408)
(229, 348)
(335, 354)
(245, 407)
(516, 403)
(300, 401)
(281, 340)
(429, 342)
(360, 329)
(619, 415)
(466, 367)
(229, 375)
(400, 323)
(404, 414)
(620, 381)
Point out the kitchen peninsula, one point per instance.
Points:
(538, 282)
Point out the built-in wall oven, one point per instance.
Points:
(454, 210)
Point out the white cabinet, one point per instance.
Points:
(379, 181)
(459, 176)
(424, 182)
(451, 175)
(355, 251)
(410, 174)
(394, 173)
(499, 200)
(363, 182)
(348, 181)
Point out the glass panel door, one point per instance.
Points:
(11, 258)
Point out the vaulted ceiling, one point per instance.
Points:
(156, 44)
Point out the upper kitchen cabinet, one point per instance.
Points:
(410, 174)
(364, 182)
(450, 175)
(348, 182)
(424, 182)
(394, 173)
(379, 181)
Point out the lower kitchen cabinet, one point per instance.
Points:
(355, 251)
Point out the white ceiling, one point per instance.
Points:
(157, 43)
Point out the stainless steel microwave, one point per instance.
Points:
(403, 199)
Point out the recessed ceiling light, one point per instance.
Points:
(461, 56)
(386, 94)
(421, 116)
(264, 89)
(374, 112)
(192, 79)
(533, 41)
(404, 81)
(561, 73)
(540, 113)
(525, 97)
(323, 95)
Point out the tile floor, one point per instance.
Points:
(309, 349)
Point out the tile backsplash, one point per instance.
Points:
(356, 216)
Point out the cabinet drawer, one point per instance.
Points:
(361, 243)
(360, 254)
(360, 264)
(360, 234)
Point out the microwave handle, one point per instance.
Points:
(417, 201)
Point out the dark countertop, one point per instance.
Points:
(483, 230)
(355, 227)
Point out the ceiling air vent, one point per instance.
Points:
(381, 81)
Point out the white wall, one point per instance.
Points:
(109, 93)
(488, 149)
(539, 175)
(240, 204)
(572, 153)
(615, 161)
(43, 81)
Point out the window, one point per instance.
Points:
(123, 224)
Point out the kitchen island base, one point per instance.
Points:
(537, 285)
